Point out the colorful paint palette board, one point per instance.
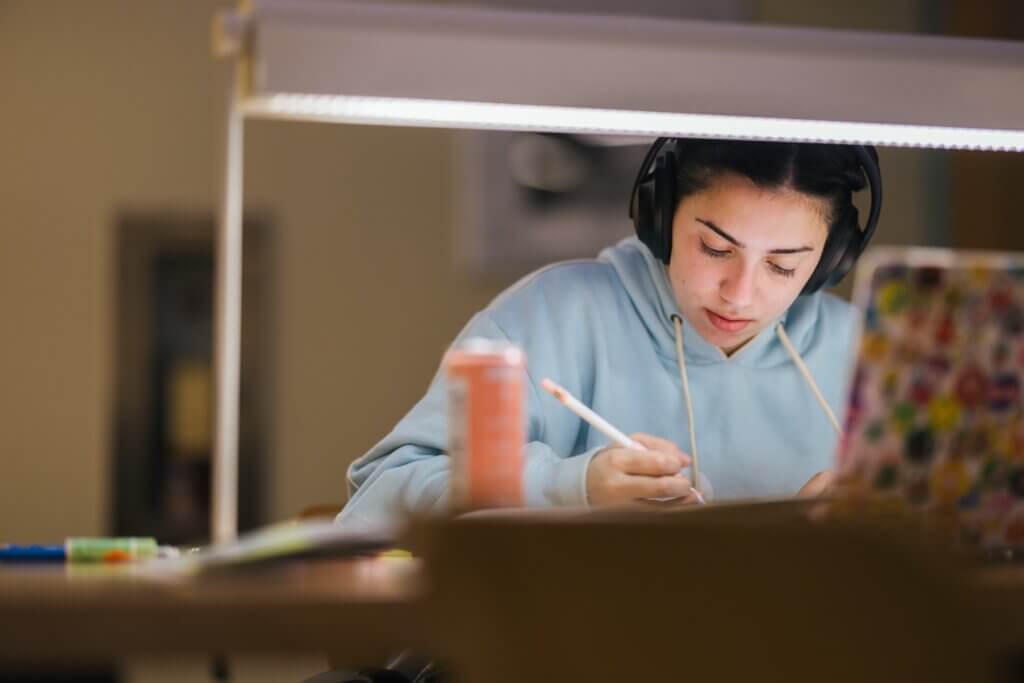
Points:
(935, 421)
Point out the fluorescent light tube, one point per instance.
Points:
(396, 111)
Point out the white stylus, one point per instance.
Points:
(599, 423)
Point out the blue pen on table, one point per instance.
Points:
(79, 549)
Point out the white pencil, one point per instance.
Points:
(597, 422)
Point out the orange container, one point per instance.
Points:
(486, 423)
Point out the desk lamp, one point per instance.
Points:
(463, 67)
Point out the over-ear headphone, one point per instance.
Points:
(652, 206)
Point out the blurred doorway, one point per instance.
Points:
(164, 406)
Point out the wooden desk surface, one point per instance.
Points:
(357, 610)
(998, 592)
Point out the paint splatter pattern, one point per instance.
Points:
(935, 417)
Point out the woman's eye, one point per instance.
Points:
(779, 270)
(713, 253)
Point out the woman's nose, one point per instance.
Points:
(737, 287)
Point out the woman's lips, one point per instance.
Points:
(726, 324)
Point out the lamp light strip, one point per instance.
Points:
(484, 115)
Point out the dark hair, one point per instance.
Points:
(822, 171)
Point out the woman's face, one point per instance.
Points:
(741, 255)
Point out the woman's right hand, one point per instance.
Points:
(626, 476)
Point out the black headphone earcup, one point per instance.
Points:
(664, 201)
(652, 203)
(847, 259)
(846, 240)
(643, 215)
(842, 247)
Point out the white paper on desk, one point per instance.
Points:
(293, 540)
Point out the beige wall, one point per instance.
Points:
(111, 104)
(104, 104)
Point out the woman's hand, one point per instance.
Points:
(624, 476)
(818, 485)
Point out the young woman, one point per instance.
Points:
(706, 333)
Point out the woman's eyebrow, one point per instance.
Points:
(729, 238)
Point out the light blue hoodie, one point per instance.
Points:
(603, 329)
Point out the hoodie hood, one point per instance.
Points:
(646, 282)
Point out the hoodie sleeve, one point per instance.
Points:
(408, 470)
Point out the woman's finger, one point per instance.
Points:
(649, 463)
(656, 443)
(637, 487)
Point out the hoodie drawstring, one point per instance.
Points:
(797, 360)
(808, 378)
(681, 357)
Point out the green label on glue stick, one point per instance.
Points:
(109, 549)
